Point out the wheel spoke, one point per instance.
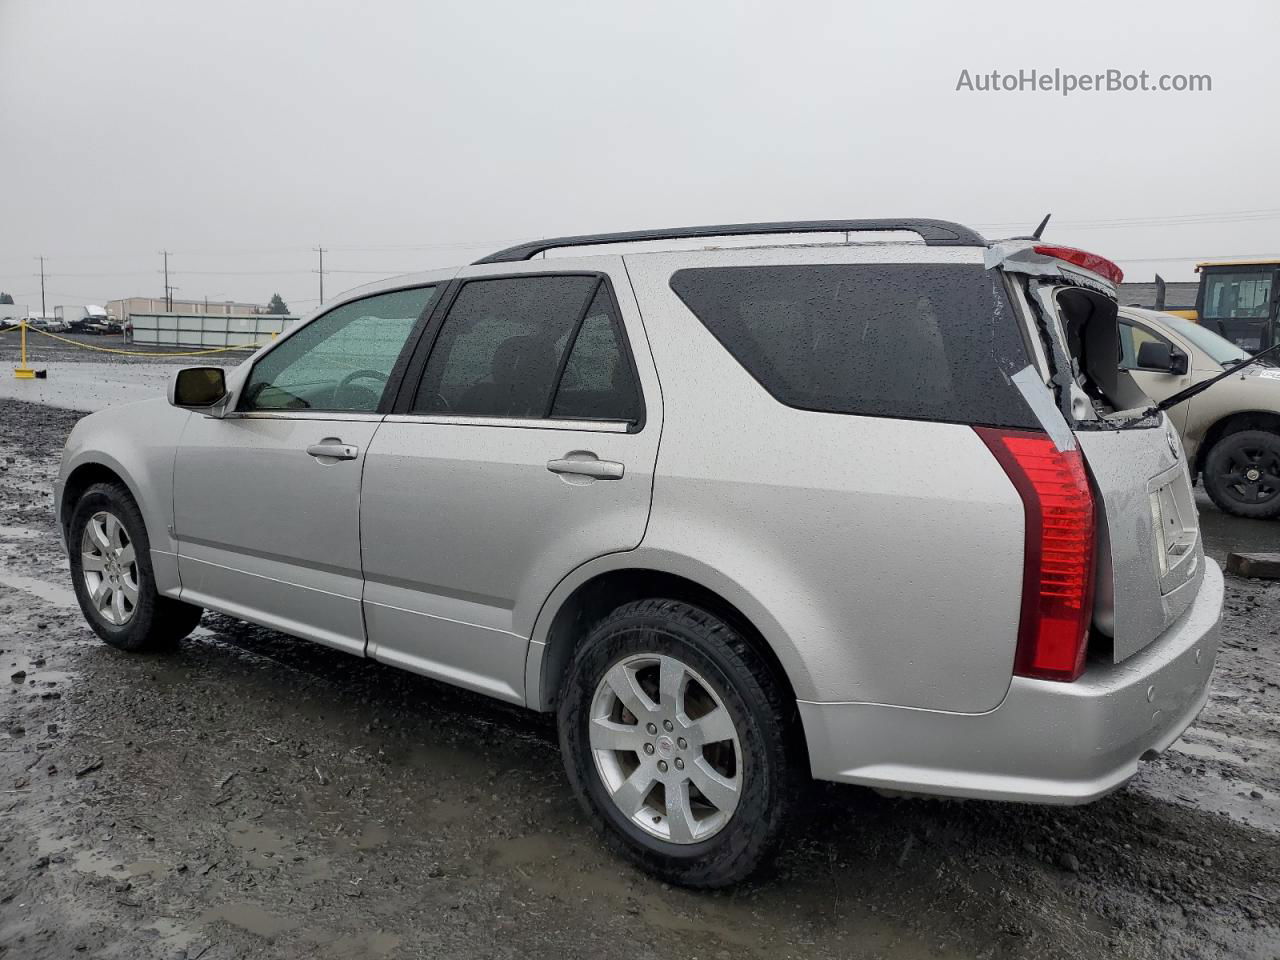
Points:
(113, 531)
(93, 562)
(608, 735)
(622, 681)
(130, 591)
(712, 727)
(672, 680)
(720, 791)
(98, 534)
(679, 812)
(117, 604)
(127, 555)
(633, 791)
(101, 593)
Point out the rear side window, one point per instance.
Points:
(530, 347)
(914, 341)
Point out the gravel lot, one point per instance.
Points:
(256, 796)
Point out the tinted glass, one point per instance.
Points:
(340, 361)
(500, 348)
(597, 383)
(917, 341)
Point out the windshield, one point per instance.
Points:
(1221, 349)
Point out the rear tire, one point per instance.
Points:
(112, 575)
(1242, 474)
(700, 797)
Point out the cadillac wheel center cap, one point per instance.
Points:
(1253, 474)
(666, 746)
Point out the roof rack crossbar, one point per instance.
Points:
(935, 233)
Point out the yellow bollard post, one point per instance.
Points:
(24, 372)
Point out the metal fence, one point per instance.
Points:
(182, 330)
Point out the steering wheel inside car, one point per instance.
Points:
(346, 384)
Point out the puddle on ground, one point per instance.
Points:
(248, 916)
(172, 933)
(49, 843)
(1206, 751)
(56, 594)
(146, 868)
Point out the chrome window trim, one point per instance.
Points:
(302, 415)
(519, 423)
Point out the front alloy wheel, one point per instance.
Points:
(109, 566)
(111, 572)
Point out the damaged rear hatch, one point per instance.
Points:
(1149, 560)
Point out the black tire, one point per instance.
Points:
(156, 622)
(1227, 479)
(763, 719)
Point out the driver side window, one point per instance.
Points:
(340, 361)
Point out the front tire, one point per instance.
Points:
(675, 737)
(1242, 474)
(113, 578)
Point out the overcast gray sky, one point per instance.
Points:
(242, 133)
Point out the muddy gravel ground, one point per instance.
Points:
(255, 796)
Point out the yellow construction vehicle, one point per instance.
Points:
(1239, 300)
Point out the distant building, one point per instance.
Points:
(123, 309)
(12, 312)
(1177, 296)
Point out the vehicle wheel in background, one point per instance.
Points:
(675, 738)
(1242, 474)
(112, 576)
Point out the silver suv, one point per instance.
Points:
(867, 501)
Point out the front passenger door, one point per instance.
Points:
(267, 499)
(1156, 384)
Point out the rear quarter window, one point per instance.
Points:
(913, 341)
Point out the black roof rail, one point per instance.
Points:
(935, 233)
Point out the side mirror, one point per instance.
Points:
(1158, 355)
(202, 389)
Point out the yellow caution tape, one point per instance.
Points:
(141, 353)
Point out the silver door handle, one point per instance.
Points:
(599, 469)
(333, 450)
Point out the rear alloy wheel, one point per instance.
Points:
(666, 748)
(1242, 474)
(679, 742)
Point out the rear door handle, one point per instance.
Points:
(588, 466)
(333, 450)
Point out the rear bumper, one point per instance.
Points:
(1047, 742)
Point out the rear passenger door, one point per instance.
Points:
(521, 446)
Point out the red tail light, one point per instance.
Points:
(1090, 261)
(1057, 577)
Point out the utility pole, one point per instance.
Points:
(43, 312)
(320, 250)
(168, 295)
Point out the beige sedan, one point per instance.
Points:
(1231, 431)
